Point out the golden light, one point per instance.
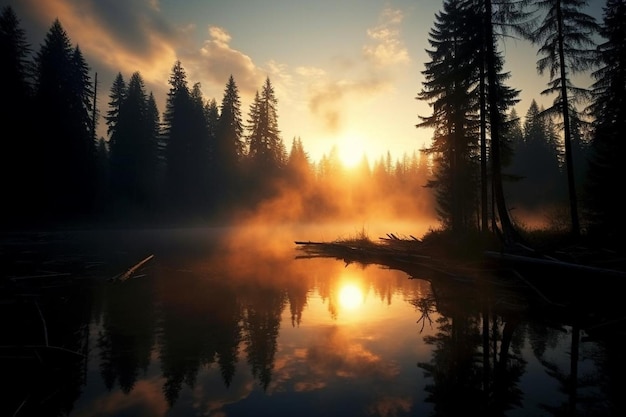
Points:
(351, 150)
(350, 296)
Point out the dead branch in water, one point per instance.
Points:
(132, 270)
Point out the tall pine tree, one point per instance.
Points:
(607, 170)
(16, 179)
(229, 146)
(266, 149)
(177, 130)
(65, 145)
(450, 76)
(565, 39)
(133, 153)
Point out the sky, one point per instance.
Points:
(346, 73)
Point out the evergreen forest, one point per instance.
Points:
(201, 160)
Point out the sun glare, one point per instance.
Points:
(351, 150)
(350, 296)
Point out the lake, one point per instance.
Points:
(237, 321)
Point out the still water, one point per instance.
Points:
(237, 322)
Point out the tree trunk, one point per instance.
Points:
(509, 234)
(567, 133)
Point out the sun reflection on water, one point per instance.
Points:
(350, 296)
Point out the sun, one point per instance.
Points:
(351, 150)
(350, 296)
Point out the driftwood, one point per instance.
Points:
(413, 257)
(129, 273)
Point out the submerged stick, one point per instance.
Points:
(131, 271)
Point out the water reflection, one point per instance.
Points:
(350, 296)
(233, 327)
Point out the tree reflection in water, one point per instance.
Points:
(234, 335)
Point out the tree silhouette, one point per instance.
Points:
(183, 114)
(15, 71)
(126, 340)
(65, 163)
(507, 15)
(117, 95)
(212, 116)
(198, 158)
(266, 149)
(456, 86)
(536, 162)
(262, 323)
(229, 149)
(449, 77)
(565, 39)
(133, 144)
(299, 170)
(605, 209)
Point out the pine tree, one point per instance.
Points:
(565, 37)
(266, 149)
(212, 115)
(125, 146)
(15, 71)
(515, 135)
(607, 170)
(199, 150)
(507, 15)
(486, 19)
(298, 164)
(65, 147)
(450, 76)
(83, 123)
(536, 163)
(154, 152)
(117, 95)
(177, 130)
(229, 149)
(466, 87)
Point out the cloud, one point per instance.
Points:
(119, 37)
(387, 47)
(335, 353)
(311, 72)
(146, 394)
(135, 35)
(328, 101)
(216, 61)
(381, 58)
(219, 36)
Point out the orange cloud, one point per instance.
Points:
(125, 38)
(329, 100)
(336, 354)
(146, 394)
(216, 61)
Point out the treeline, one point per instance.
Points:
(196, 161)
(485, 163)
(200, 160)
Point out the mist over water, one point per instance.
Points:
(232, 320)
